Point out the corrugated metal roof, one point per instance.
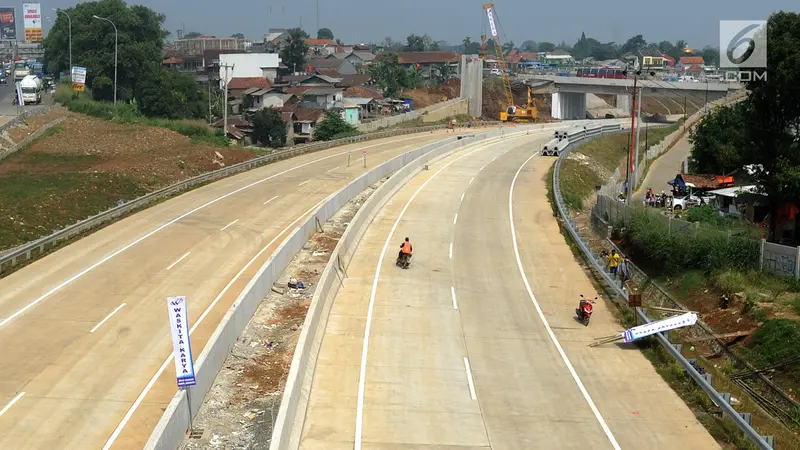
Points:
(359, 100)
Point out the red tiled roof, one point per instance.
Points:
(362, 92)
(235, 132)
(694, 68)
(707, 181)
(308, 114)
(298, 90)
(354, 80)
(286, 116)
(688, 60)
(324, 63)
(173, 60)
(249, 82)
(428, 57)
(320, 42)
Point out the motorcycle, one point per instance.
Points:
(403, 260)
(584, 310)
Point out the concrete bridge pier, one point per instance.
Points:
(569, 105)
(624, 102)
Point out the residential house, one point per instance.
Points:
(558, 57)
(320, 47)
(259, 98)
(360, 58)
(688, 62)
(669, 62)
(249, 65)
(189, 64)
(274, 41)
(429, 62)
(289, 117)
(683, 183)
(651, 59)
(351, 112)
(238, 129)
(237, 86)
(197, 46)
(306, 120)
(325, 97)
(339, 66)
(368, 107)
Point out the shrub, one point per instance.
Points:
(774, 341)
(332, 126)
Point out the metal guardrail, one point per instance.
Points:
(742, 420)
(28, 251)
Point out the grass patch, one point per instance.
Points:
(577, 182)
(61, 199)
(774, 341)
(198, 131)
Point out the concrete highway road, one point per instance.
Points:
(8, 111)
(84, 331)
(475, 346)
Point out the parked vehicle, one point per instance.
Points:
(690, 201)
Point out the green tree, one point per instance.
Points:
(467, 42)
(529, 46)
(238, 36)
(192, 35)
(388, 74)
(163, 92)
(325, 33)
(442, 73)
(269, 128)
(710, 55)
(718, 141)
(633, 44)
(296, 49)
(546, 46)
(508, 47)
(141, 44)
(414, 43)
(332, 127)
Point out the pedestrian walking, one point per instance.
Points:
(613, 263)
(624, 272)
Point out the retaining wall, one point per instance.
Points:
(431, 113)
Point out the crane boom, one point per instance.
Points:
(498, 48)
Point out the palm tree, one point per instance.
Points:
(467, 43)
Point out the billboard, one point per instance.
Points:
(32, 18)
(8, 24)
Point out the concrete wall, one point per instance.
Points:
(472, 83)
(569, 106)
(428, 114)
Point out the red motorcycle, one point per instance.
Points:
(584, 310)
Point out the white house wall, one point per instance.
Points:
(246, 65)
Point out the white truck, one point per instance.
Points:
(21, 70)
(31, 89)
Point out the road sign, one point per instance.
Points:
(182, 349)
(78, 87)
(79, 74)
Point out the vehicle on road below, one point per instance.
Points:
(31, 87)
(21, 70)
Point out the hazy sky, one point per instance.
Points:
(696, 21)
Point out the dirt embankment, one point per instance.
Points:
(84, 165)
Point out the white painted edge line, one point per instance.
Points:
(273, 198)
(179, 260)
(11, 403)
(455, 219)
(329, 171)
(182, 216)
(550, 333)
(462, 196)
(471, 180)
(228, 225)
(451, 250)
(453, 294)
(365, 346)
(470, 382)
(106, 318)
(164, 365)
(482, 167)
(304, 182)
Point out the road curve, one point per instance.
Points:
(84, 330)
(475, 346)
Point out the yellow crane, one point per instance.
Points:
(512, 113)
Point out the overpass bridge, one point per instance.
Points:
(569, 93)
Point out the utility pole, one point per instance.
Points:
(225, 100)
(210, 115)
(638, 129)
(317, 16)
(629, 189)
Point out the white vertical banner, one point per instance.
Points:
(182, 349)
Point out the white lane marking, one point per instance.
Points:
(11, 403)
(273, 198)
(550, 333)
(462, 196)
(106, 319)
(179, 260)
(471, 180)
(304, 182)
(333, 169)
(482, 167)
(455, 219)
(451, 250)
(228, 225)
(365, 346)
(182, 216)
(469, 379)
(453, 294)
(197, 323)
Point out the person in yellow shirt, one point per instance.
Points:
(613, 262)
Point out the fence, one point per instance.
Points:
(777, 259)
(742, 420)
(38, 247)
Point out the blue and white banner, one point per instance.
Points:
(684, 320)
(179, 326)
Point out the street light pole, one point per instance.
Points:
(116, 42)
(69, 22)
